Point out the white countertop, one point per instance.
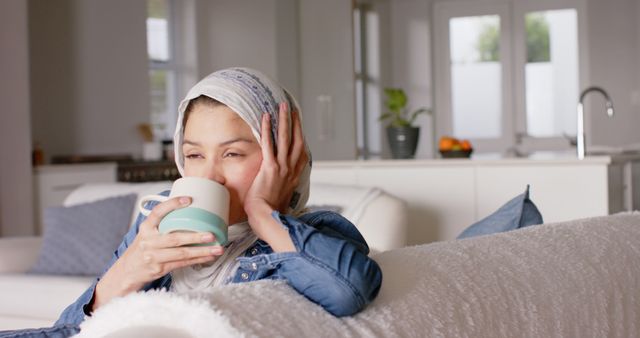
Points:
(54, 168)
(538, 159)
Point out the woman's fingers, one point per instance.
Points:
(162, 262)
(185, 253)
(302, 162)
(162, 209)
(297, 146)
(177, 239)
(284, 131)
(267, 145)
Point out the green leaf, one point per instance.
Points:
(396, 104)
(385, 116)
(396, 99)
(401, 123)
(418, 112)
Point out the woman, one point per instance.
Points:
(236, 127)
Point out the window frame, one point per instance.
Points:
(370, 75)
(526, 142)
(172, 68)
(513, 61)
(442, 13)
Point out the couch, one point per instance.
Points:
(28, 300)
(572, 279)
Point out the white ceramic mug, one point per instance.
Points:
(208, 211)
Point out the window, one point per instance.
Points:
(367, 65)
(507, 73)
(162, 67)
(476, 76)
(551, 72)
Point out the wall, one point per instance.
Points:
(16, 192)
(636, 94)
(236, 33)
(245, 33)
(89, 75)
(288, 44)
(411, 62)
(613, 63)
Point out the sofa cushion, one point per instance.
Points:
(80, 240)
(95, 191)
(53, 294)
(351, 200)
(381, 218)
(519, 212)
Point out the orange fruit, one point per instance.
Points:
(446, 143)
(466, 145)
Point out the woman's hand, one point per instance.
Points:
(278, 176)
(279, 173)
(153, 255)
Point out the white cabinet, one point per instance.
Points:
(561, 192)
(53, 183)
(440, 198)
(327, 78)
(446, 196)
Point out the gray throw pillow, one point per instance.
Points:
(517, 213)
(80, 239)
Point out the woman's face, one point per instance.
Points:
(220, 146)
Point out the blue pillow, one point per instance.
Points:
(517, 213)
(80, 240)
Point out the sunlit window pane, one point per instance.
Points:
(159, 81)
(158, 30)
(551, 72)
(476, 76)
(162, 72)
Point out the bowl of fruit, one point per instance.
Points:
(451, 147)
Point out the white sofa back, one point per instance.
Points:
(30, 300)
(571, 279)
(380, 217)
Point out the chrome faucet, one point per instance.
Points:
(580, 136)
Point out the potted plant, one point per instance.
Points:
(402, 134)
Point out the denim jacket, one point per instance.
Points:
(330, 266)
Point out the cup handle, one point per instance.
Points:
(148, 198)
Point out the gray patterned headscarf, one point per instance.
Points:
(249, 93)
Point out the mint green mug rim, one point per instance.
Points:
(195, 219)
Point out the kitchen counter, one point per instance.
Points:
(445, 196)
(474, 161)
(538, 158)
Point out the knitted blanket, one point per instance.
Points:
(572, 279)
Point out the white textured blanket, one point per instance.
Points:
(572, 279)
